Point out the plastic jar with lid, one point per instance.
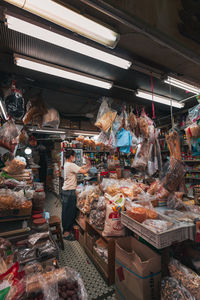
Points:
(40, 225)
(113, 174)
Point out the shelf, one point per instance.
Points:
(81, 225)
(193, 171)
(192, 160)
(194, 178)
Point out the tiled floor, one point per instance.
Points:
(75, 257)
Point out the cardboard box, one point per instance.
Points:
(137, 271)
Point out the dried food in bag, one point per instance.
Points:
(105, 117)
(171, 289)
(15, 166)
(141, 158)
(34, 238)
(36, 109)
(188, 278)
(15, 104)
(23, 137)
(158, 226)
(174, 175)
(33, 267)
(132, 120)
(9, 136)
(173, 143)
(51, 118)
(48, 249)
(144, 126)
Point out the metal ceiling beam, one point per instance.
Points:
(142, 27)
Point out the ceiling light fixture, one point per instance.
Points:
(86, 134)
(182, 85)
(28, 151)
(157, 98)
(69, 19)
(65, 42)
(47, 131)
(3, 110)
(63, 73)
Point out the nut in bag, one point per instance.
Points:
(105, 117)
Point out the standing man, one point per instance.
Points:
(69, 209)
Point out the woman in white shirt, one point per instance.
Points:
(69, 209)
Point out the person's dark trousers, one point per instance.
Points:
(69, 209)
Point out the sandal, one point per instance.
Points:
(70, 237)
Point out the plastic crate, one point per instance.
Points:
(158, 240)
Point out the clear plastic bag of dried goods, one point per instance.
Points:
(9, 136)
(15, 166)
(158, 226)
(15, 104)
(141, 158)
(194, 113)
(173, 143)
(51, 118)
(132, 120)
(63, 283)
(174, 175)
(23, 137)
(188, 278)
(144, 123)
(36, 109)
(34, 238)
(171, 289)
(106, 116)
(97, 216)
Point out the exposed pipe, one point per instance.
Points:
(184, 100)
(141, 27)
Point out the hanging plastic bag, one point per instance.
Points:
(15, 104)
(174, 175)
(132, 121)
(105, 117)
(124, 140)
(51, 118)
(9, 136)
(144, 122)
(141, 157)
(173, 143)
(36, 109)
(23, 137)
(192, 131)
(194, 113)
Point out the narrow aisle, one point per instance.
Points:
(75, 257)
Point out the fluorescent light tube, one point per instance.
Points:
(63, 73)
(182, 85)
(69, 19)
(47, 131)
(86, 134)
(64, 42)
(158, 98)
(3, 110)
